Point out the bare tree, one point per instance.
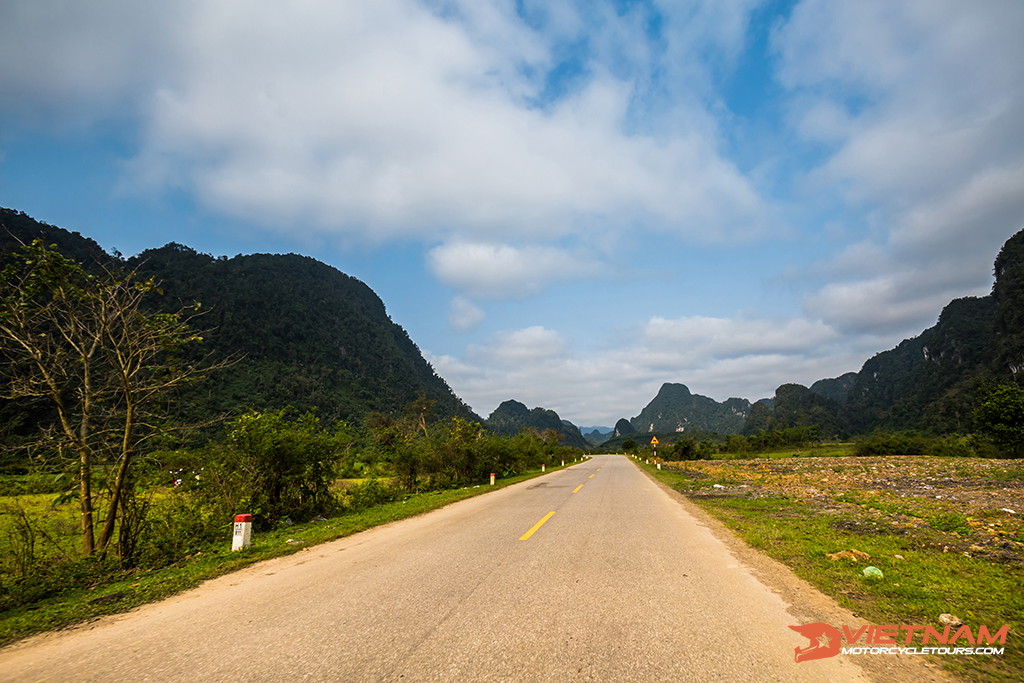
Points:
(86, 343)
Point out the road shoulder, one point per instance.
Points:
(806, 603)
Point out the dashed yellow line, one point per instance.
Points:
(591, 476)
(537, 526)
(577, 488)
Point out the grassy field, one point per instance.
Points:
(84, 600)
(946, 533)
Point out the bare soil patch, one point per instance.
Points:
(970, 506)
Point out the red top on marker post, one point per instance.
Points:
(243, 518)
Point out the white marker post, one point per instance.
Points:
(542, 468)
(492, 478)
(243, 532)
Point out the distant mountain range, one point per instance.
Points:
(926, 383)
(511, 417)
(311, 336)
(596, 435)
(675, 409)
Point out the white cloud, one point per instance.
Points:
(717, 357)
(721, 338)
(504, 271)
(920, 101)
(464, 315)
(384, 119)
(535, 345)
(67, 63)
(880, 305)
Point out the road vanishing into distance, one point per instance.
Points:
(590, 573)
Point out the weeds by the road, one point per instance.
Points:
(946, 533)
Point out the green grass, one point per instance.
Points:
(131, 589)
(922, 578)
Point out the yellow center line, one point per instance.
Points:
(536, 526)
(577, 488)
(591, 476)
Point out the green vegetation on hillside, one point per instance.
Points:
(307, 335)
(676, 409)
(512, 417)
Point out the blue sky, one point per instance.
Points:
(566, 203)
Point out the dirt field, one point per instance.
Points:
(976, 505)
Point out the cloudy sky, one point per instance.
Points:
(564, 202)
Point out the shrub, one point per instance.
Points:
(180, 524)
(894, 443)
(367, 494)
(1000, 416)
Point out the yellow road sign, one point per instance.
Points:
(654, 441)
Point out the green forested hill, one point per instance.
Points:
(305, 334)
(308, 336)
(17, 228)
(511, 417)
(675, 409)
(797, 406)
(931, 382)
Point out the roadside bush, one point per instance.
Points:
(999, 415)
(181, 524)
(271, 466)
(913, 443)
(281, 467)
(893, 443)
(690, 449)
(367, 494)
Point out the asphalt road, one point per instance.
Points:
(621, 583)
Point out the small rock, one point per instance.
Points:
(717, 486)
(1012, 512)
(950, 619)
